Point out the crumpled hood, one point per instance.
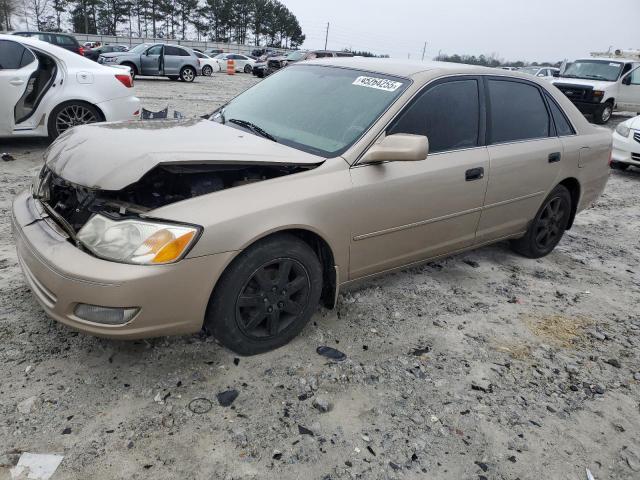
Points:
(110, 156)
(596, 84)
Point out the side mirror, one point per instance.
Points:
(627, 80)
(541, 75)
(403, 147)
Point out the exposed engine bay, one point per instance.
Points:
(72, 205)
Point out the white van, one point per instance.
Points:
(597, 86)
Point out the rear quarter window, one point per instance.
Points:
(517, 112)
(563, 127)
(66, 41)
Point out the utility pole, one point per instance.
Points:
(424, 50)
(326, 37)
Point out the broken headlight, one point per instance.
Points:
(137, 241)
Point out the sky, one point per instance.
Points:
(530, 30)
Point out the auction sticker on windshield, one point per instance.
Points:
(378, 83)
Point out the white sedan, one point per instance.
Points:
(626, 144)
(45, 89)
(209, 64)
(242, 62)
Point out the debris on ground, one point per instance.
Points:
(331, 353)
(36, 466)
(227, 397)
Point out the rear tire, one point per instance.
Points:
(266, 296)
(547, 227)
(207, 71)
(188, 74)
(69, 114)
(603, 113)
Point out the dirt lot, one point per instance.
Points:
(480, 366)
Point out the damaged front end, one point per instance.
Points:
(76, 208)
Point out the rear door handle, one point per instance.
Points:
(554, 157)
(16, 81)
(474, 174)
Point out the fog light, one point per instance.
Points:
(106, 315)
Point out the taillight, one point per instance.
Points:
(81, 50)
(125, 79)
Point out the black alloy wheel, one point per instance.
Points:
(266, 295)
(272, 299)
(547, 228)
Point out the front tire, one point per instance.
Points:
(134, 70)
(68, 115)
(266, 296)
(248, 68)
(619, 166)
(603, 113)
(548, 226)
(188, 74)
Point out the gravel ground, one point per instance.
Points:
(479, 366)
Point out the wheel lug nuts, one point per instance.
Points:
(284, 292)
(265, 300)
(270, 309)
(281, 304)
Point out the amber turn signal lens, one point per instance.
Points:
(173, 249)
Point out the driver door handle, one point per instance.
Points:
(16, 81)
(474, 174)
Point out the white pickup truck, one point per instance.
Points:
(597, 86)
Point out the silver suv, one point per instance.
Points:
(157, 59)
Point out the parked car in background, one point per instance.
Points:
(208, 64)
(90, 45)
(157, 59)
(277, 62)
(94, 53)
(243, 63)
(45, 89)
(511, 69)
(260, 65)
(212, 52)
(63, 40)
(547, 73)
(626, 144)
(328, 173)
(597, 86)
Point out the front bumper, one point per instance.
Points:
(587, 107)
(172, 298)
(626, 150)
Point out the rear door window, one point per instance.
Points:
(517, 112)
(447, 113)
(169, 50)
(14, 56)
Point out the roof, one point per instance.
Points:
(402, 68)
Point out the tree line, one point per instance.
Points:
(490, 61)
(257, 22)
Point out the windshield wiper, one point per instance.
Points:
(253, 127)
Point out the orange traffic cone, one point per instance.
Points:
(231, 67)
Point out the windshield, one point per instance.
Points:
(295, 56)
(594, 70)
(530, 70)
(320, 110)
(140, 48)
